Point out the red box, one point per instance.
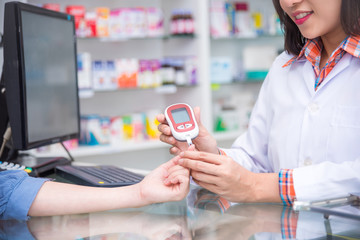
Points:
(52, 6)
(78, 12)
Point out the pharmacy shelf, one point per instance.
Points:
(255, 37)
(156, 89)
(123, 39)
(84, 151)
(113, 149)
(164, 89)
(237, 82)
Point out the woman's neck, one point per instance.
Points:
(330, 42)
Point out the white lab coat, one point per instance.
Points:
(315, 133)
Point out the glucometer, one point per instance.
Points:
(182, 122)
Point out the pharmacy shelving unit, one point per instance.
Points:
(144, 155)
(240, 95)
(148, 155)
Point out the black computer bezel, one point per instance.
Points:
(15, 79)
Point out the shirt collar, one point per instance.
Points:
(352, 46)
(313, 47)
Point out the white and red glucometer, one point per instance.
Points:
(182, 122)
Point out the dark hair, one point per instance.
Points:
(294, 41)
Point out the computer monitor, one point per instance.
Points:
(40, 76)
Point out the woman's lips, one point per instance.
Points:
(301, 17)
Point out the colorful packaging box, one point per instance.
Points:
(155, 22)
(219, 24)
(145, 79)
(84, 71)
(221, 70)
(155, 68)
(90, 25)
(139, 130)
(128, 129)
(93, 130)
(52, 6)
(116, 130)
(99, 75)
(152, 123)
(116, 24)
(111, 75)
(121, 73)
(102, 21)
(78, 11)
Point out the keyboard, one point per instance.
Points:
(98, 176)
(15, 166)
(11, 166)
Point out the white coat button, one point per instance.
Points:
(313, 107)
(308, 162)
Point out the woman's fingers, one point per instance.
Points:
(202, 156)
(211, 187)
(161, 118)
(168, 139)
(205, 178)
(198, 166)
(176, 168)
(164, 129)
(175, 171)
(175, 151)
(170, 164)
(175, 176)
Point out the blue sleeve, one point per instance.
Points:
(14, 230)
(17, 192)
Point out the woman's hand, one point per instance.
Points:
(168, 182)
(219, 174)
(222, 175)
(203, 142)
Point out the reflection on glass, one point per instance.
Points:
(202, 216)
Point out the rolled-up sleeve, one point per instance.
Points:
(17, 192)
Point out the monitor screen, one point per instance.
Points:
(41, 89)
(49, 73)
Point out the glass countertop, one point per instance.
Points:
(202, 215)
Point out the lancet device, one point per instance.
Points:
(182, 122)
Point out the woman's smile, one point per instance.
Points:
(301, 17)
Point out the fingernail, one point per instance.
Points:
(181, 154)
(181, 161)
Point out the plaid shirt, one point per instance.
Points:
(312, 52)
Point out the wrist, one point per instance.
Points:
(266, 187)
(139, 196)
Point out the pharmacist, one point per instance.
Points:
(303, 139)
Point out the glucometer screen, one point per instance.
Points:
(180, 115)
